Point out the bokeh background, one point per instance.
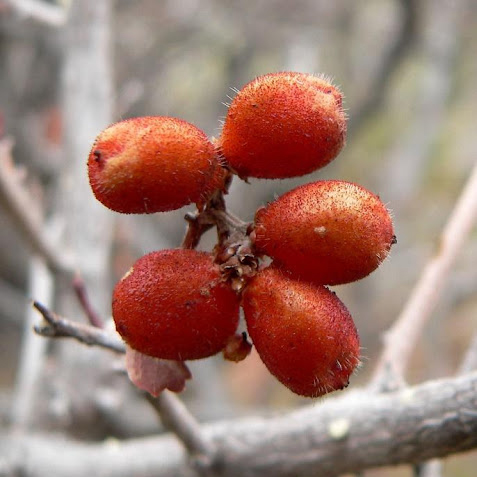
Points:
(408, 69)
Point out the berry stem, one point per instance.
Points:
(228, 224)
(233, 233)
(198, 224)
(203, 220)
(233, 251)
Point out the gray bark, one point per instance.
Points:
(347, 434)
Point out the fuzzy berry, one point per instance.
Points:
(153, 164)
(174, 304)
(283, 125)
(302, 332)
(327, 232)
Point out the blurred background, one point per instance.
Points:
(408, 70)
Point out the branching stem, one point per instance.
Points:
(58, 327)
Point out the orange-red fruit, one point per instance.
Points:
(173, 304)
(327, 232)
(302, 332)
(283, 125)
(153, 164)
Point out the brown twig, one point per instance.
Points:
(197, 225)
(214, 213)
(227, 223)
(401, 338)
(204, 220)
(233, 251)
(59, 327)
(79, 288)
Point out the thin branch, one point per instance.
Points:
(203, 220)
(197, 225)
(176, 418)
(42, 12)
(58, 327)
(22, 208)
(172, 411)
(351, 433)
(229, 224)
(401, 338)
(79, 287)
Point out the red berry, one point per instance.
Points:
(173, 304)
(153, 164)
(327, 232)
(302, 332)
(283, 125)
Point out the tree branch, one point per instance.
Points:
(42, 12)
(22, 208)
(79, 288)
(171, 410)
(58, 327)
(176, 418)
(401, 338)
(357, 431)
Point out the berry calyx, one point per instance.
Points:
(153, 164)
(326, 232)
(174, 304)
(237, 348)
(303, 333)
(283, 125)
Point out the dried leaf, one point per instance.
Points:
(153, 374)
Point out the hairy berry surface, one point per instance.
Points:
(327, 232)
(283, 125)
(174, 304)
(153, 164)
(302, 332)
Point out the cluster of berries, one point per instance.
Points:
(183, 304)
